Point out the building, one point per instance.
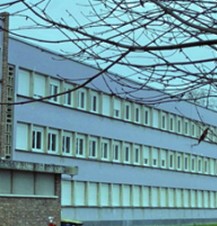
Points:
(138, 163)
(30, 193)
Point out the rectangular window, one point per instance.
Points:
(147, 116)
(146, 155)
(199, 165)
(154, 154)
(37, 138)
(116, 151)
(106, 105)
(105, 147)
(163, 158)
(81, 99)
(39, 85)
(193, 166)
(52, 144)
(186, 162)
(193, 130)
(186, 127)
(116, 108)
(155, 115)
(93, 147)
(22, 136)
(24, 81)
(67, 98)
(163, 120)
(80, 146)
(54, 89)
(127, 111)
(205, 166)
(171, 123)
(136, 154)
(94, 102)
(137, 113)
(171, 160)
(179, 125)
(127, 153)
(178, 162)
(66, 143)
(115, 194)
(126, 195)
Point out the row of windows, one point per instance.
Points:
(53, 141)
(26, 183)
(37, 85)
(75, 193)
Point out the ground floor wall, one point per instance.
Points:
(139, 216)
(29, 198)
(23, 211)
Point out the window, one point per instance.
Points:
(154, 153)
(106, 105)
(116, 151)
(163, 158)
(66, 143)
(147, 117)
(94, 102)
(171, 160)
(67, 98)
(126, 195)
(104, 197)
(136, 154)
(146, 155)
(212, 166)
(92, 194)
(22, 136)
(186, 127)
(193, 129)
(80, 146)
(39, 89)
(178, 162)
(116, 108)
(81, 99)
(93, 147)
(155, 115)
(193, 166)
(52, 143)
(105, 147)
(186, 162)
(24, 78)
(127, 111)
(179, 125)
(199, 165)
(127, 154)
(137, 113)
(163, 121)
(171, 123)
(37, 138)
(205, 166)
(54, 89)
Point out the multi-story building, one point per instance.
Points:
(137, 163)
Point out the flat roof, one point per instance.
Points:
(37, 167)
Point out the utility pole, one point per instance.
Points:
(7, 91)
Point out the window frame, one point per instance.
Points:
(80, 145)
(41, 130)
(116, 151)
(105, 143)
(54, 89)
(65, 145)
(52, 141)
(92, 147)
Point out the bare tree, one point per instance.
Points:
(165, 44)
